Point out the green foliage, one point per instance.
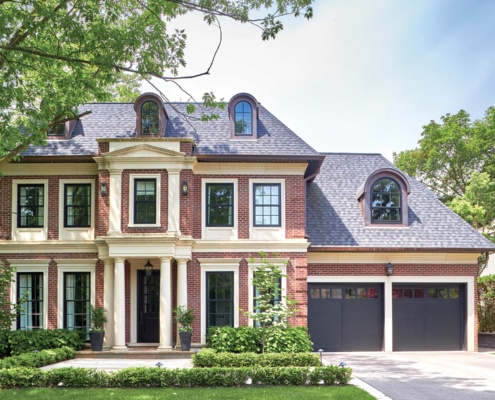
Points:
(8, 310)
(98, 319)
(207, 358)
(40, 339)
(141, 377)
(247, 339)
(39, 358)
(486, 303)
(57, 55)
(184, 317)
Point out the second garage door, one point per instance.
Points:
(345, 317)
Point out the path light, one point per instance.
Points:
(342, 364)
(321, 355)
(158, 364)
(389, 269)
(148, 268)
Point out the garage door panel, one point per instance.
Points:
(323, 330)
(406, 328)
(443, 322)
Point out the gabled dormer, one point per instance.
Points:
(151, 118)
(243, 116)
(61, 131)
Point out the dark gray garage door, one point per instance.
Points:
(428, 317)
(345, 317)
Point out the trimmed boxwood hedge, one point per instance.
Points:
(20, 342)
(161, 377)
(207, 358)
(39, 358)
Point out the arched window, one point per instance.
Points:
(386, 201)
(149, 118)
(243, 119)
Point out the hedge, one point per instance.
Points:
(38, 359)
(161, 377)
(208, 358)
(43, 339)
(247, 339)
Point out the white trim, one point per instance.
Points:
(24, 233)
(252, 246)
(132, 178)
(44, 169)
(75, 233)
(395, 258)
(72, 266)
(23, 267)
(219, 233)
(267, 232)
(218, 265)
(215, 168)
(469, 281)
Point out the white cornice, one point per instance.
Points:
(230, 168)
(48, 246)
(229, 246)
(394, 258)
(34, 169)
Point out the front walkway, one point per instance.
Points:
(113, 364)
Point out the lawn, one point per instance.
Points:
(272, 393)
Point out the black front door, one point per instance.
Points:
(148, 307)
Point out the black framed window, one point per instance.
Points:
(277, 298)
(145, 201)
(220, 299)
(30, 289)
(30, 206)
(267, 204)
(77, 300)
(77, 205)
(220, 204)
(57, 130)
(149, 118)
(386, 201)
(243, 119)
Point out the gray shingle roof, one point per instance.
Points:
(334, 217)
(114, 120)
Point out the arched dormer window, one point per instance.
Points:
(383, 198)
(151, 118)
(243, 115)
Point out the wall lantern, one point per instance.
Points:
(389, 269)
(185, 188)
(103, 188)
(148, 268)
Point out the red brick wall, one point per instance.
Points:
(186, 147)
(187, 203)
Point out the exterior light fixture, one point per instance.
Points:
(185, 188)
(158, 364)
(321, 355)
(389, 269)
(343, 364)
(103, 188)
(148, 268)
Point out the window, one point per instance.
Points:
(77, 300)
(145, 201)
(219, 204)
(57, 130)
(243, 119)
(77, 205)
(267, 204)
(30, 207)
(277, 298)
(385, 201)
(149, 118)
(220, 299)
(30, 289)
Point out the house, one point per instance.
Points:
(136, 209)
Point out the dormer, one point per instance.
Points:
(151, 118)
(243, 116)
(61, 131)
(384, 198)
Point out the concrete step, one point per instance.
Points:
(137, 353)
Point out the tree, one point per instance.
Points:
(272, 307)
(456, 160)
(56, 55)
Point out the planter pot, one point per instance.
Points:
(185, 340)
(96, 339)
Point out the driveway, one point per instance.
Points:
(424, 375)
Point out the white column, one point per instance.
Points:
(182, 283)
(388, 328)
(165, 304)
(115, 201)
(119, 305)
(173, 202)
(108, 299)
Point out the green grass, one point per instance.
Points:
(258, 393)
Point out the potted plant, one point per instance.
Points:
(184, 317)
(98, 317)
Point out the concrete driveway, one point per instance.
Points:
(424, 375)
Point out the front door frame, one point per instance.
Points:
(141, 318)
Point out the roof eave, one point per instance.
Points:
(349, 249)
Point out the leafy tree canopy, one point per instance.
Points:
(56, 55)
(456, 160)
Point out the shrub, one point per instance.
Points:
(76, 377)
(38, 359)
(486, 303)
(208, 358)
(41, 339)
(247, 339)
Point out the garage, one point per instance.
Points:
(428, 317)
(346, 317)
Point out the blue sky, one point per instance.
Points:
(361, 76)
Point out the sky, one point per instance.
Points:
(361, 76)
